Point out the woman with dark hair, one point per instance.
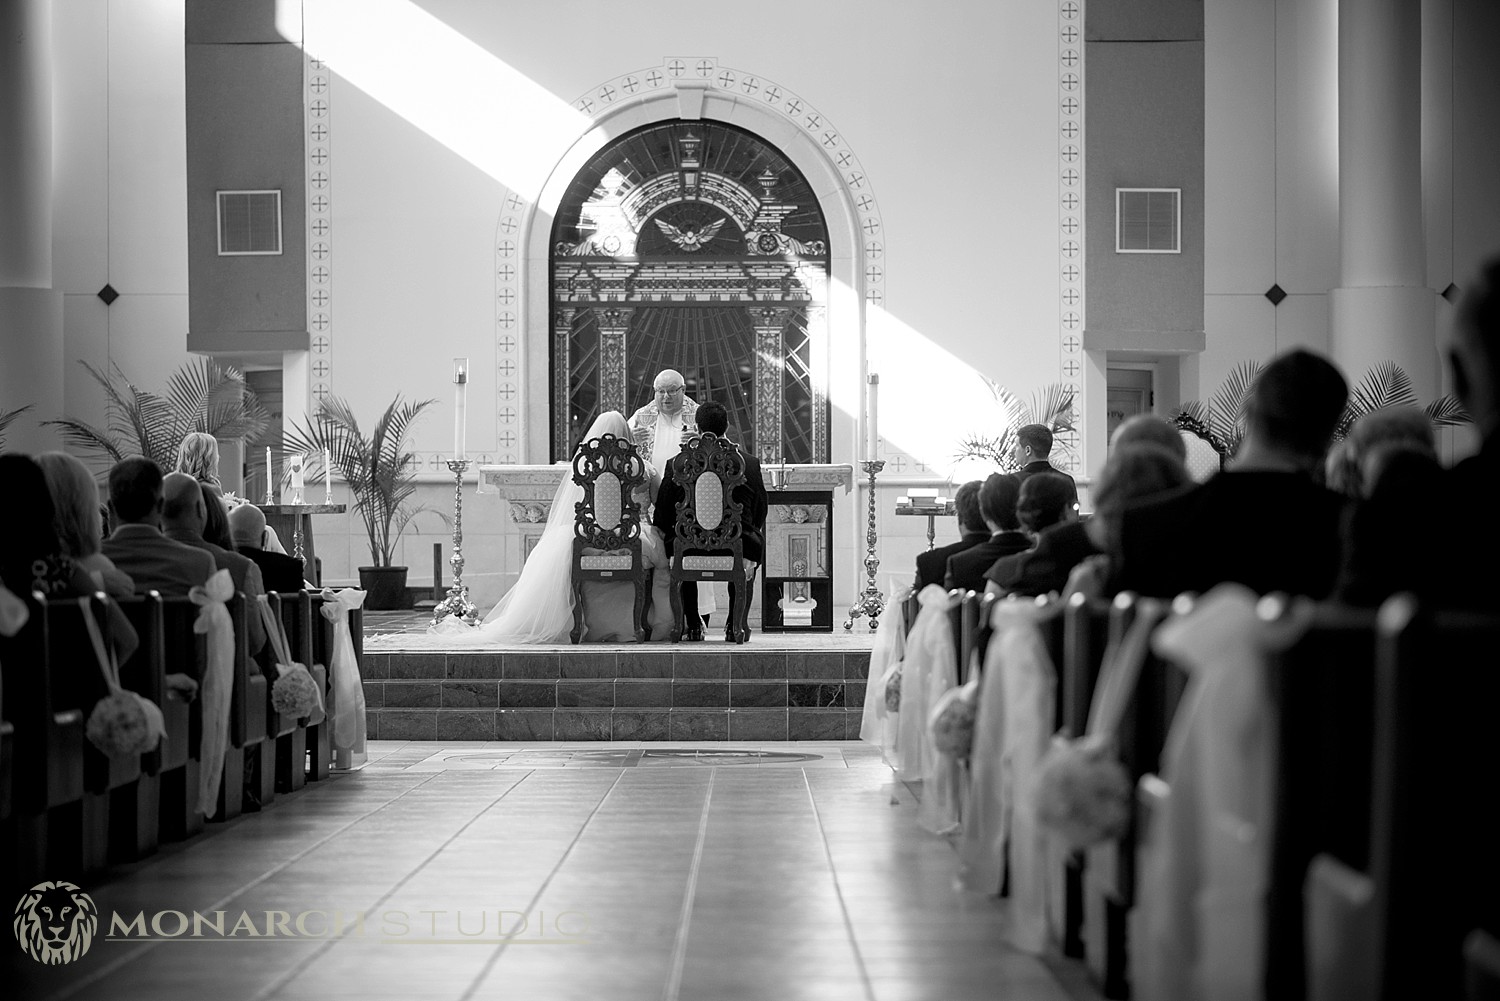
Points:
(77, 517)
(1047, 504)
(31, 558)
(216, 518)
(1133, 473)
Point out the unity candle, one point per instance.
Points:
(460, 380)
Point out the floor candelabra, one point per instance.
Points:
(870, 601)
(457, 603)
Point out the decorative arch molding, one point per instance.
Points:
(686, 88)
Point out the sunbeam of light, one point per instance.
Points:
(929, 397)
(441, 82)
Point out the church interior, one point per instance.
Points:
(397, 262)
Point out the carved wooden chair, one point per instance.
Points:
(607, 524)
(708, 542)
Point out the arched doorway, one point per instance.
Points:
(698, 246)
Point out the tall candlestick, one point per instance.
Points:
(460, 415)
(872, 423)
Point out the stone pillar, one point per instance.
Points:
(1383, 309)
(562, 370)
(769, 361)
(613, 324)
(31, 327)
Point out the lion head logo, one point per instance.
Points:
(55, 922)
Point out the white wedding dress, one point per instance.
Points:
(539, 607)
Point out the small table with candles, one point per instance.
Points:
(293, 523)
(929, 503)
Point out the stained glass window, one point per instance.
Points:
(699, 247)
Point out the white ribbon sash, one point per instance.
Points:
(348, 687)
(217, 684)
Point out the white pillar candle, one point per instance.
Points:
(460, 416)
(270, 479)
(872, 422)
(327, 480)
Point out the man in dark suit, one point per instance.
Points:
(137, 547)
(997, 505)
(183, 515)
(1264, 522)
(1033, 445)
(932, 566)
(751, 495)
(279, 572)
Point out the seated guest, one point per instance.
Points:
(1048, 511)
(198, 456)
(216, 517)
(1407, 427)
(932, 565)
(1382, 555)
(183, 514)
(1133, 473)
(153, 561)
(997, 505)
(279, 572)
(1149, 429)
(714, 419)
(1033, 445)
(76, 518)
(32, 559)
(1263, 522)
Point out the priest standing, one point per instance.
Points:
(658, 426)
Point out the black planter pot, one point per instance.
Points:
(385, 588)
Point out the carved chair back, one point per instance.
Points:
(607, 522)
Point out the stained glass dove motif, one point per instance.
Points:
(691, 240)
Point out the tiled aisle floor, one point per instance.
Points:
(651, 871)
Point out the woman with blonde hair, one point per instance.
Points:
(76, 519)
(198, 456)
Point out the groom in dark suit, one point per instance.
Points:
(751, 495)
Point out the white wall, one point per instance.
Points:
(120, 213)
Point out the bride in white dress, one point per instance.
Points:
(539, 607)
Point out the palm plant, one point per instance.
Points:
(7, 418)
(1052, 406)
(202, 395)
(1221, 421)
(380, 471)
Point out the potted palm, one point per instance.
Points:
(1051, 406)
(381, 473)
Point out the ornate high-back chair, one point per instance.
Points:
(708, 543)
(607, 524)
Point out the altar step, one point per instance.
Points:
(709, 691)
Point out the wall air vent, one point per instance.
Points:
(249, 223)
(1148, 220)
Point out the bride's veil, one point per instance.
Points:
(539, 608)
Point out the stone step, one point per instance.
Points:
(677, 724)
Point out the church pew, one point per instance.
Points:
(184, 652)
(138, 830)
(1085, 626)
(1433, 857)
(319, 649)
(1322, 688)
(77, 683)
(48, 774)
(1109, 872)
(290, 734)
(249, 748)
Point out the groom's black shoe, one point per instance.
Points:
(693, 636)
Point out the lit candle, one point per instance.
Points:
(872, 425)
(460, 416)
(327, 480)
(270, 479)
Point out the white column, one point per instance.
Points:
(30, 309)
(1383, 309)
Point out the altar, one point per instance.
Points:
(808, 568)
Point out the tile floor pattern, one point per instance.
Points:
(760, 871)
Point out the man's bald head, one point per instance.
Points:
(182, 503)
(670, 393)
(247, 523)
